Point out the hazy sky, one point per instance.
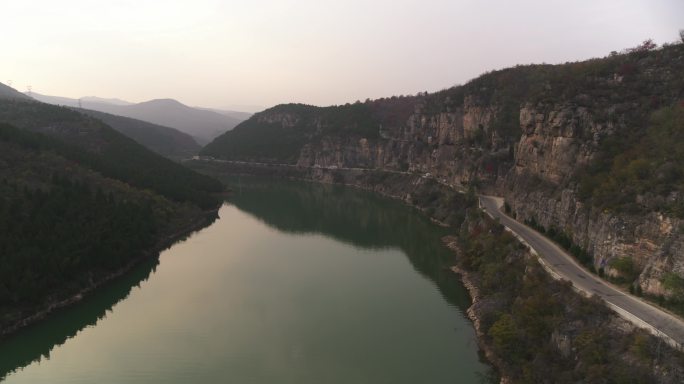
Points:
(264, 52)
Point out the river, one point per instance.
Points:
(294, 283)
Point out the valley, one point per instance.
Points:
(523, 226)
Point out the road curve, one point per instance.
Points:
(642, 314)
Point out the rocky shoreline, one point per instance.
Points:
(203, 220)
(469, 282)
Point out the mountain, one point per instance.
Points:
(101, 100)
(165, 141)
(202, 124)
(110, 152)
(279, 134)
(90, 102)
(56, 100)
(7, 92)
(235, 114)
(79, 204)
(590, 152)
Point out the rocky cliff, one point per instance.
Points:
(574, 148)
(558, 143)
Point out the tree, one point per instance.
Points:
(681, 35)
(674, 283)
(625, 266)
(647, 45)
(504, 334)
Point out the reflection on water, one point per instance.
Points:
(36, 342)
(355, 217)
(295, 283)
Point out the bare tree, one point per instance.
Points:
(681, 34)
(647, 45)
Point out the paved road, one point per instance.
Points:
(255, 163)
(638, 312)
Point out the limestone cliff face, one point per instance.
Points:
(556, 142)
(538, 182)
(478, 116)
(653, 242)
(536, 173)
(436, 143)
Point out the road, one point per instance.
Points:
(255, 163)
(640, 313)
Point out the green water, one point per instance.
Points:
(295, 283)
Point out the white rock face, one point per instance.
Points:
(536, 172)
(555, 143)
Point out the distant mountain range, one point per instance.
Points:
(238, 115)
(166, 141)
(204, 124)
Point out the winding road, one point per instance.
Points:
(564, 266)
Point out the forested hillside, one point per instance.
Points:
(79, 202)
(165, 141)
(274, 136)
(87, 140)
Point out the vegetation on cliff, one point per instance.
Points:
(641, 171)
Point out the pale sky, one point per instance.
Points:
(263, 52)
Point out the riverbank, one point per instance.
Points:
(530, 327)
(203, 219)
(470, 283)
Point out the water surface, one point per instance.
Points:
(295, 283)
